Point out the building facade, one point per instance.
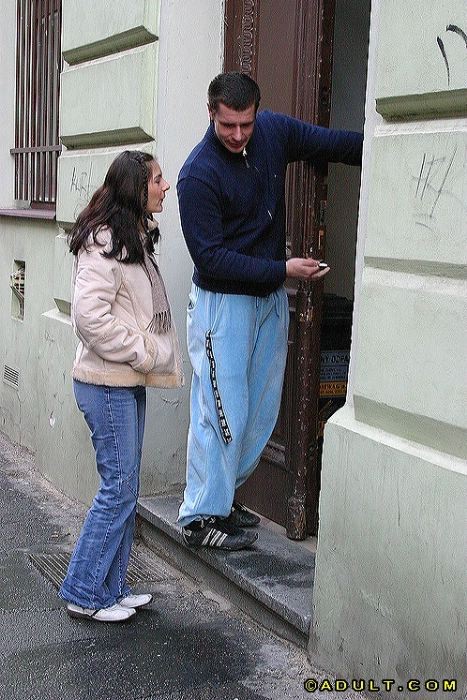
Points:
(389, 594)
(390, 588)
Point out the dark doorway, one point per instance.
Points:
(287, 46)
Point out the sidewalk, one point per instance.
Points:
(188, 644)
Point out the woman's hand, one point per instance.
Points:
(305, 269)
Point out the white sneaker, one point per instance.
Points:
(116, 613)
(135, 601)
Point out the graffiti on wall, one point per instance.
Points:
(81, 187)
(434, 180)
(459, 32)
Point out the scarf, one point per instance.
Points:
(161, 321)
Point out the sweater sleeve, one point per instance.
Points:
(96, 283)
(321, 145)
(201, 218)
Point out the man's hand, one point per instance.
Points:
(305, 269)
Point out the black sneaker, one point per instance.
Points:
(241, 517)
(218, 533)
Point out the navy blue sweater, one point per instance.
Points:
(232, 207)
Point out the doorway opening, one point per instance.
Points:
(309, 58)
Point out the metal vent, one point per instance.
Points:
(54, 565)
(11, 376)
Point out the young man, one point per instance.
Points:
(231, 193)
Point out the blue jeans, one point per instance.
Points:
(97, 571)
(238, 350)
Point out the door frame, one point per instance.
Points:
(306, 214)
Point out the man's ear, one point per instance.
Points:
(211, 112)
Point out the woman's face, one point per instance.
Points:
(157, 187)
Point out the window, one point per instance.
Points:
(17, 288)
(38, 64)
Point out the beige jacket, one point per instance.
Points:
(111, 310)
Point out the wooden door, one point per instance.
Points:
(286, 45)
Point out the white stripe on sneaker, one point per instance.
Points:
(206, 540)
(215, 538)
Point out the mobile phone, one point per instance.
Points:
(322, 265)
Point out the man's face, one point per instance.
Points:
(233, 129)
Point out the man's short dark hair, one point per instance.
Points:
(236, 90)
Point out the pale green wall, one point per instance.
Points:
(107, 28)
(410, 61)
(391, 566)
(18, 408)
(186, 65)
(119, 105)
(391, 582)
(412, 76)
(41, 414)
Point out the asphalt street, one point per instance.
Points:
(188, 644)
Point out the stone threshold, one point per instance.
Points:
(272, 581)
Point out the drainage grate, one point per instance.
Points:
(54, 567)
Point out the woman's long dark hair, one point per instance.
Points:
(119, 204)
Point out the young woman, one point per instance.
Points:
(122, 318)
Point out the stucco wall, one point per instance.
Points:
(181, 120)
(391, 574)
(20, 337)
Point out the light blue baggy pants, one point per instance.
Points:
(238, 349)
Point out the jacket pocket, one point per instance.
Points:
(164, 353)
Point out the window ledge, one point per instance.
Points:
(44, 214)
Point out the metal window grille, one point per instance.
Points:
(17, 282)
(17, 287)
(38, 64)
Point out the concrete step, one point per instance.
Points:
(272, 581)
